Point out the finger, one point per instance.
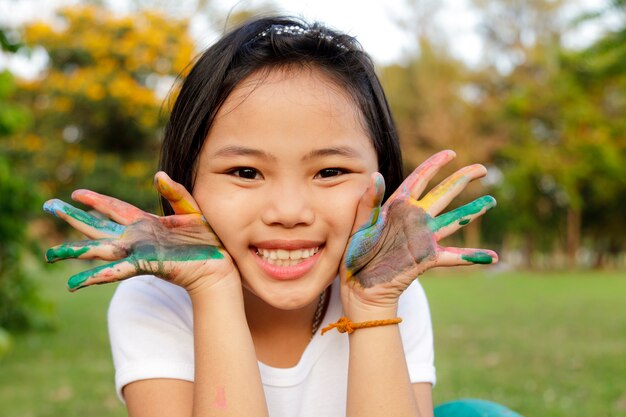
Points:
(89, 225)
(111, 272)
(117, 210)
(104, 249)
(417, 181)
(369, 206)
(459, 256)
(439, 197)
(180, 199)
(448, 223)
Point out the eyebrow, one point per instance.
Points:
(345, 151)
(234, 150)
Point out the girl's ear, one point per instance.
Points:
(369, 206)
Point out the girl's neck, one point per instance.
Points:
(280, 336)
(263, 318)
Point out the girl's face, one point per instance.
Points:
(279, 178)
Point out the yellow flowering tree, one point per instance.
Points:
(98, 105)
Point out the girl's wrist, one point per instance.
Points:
(228, 287)
(358, 310)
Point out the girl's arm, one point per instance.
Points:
(391, 246)
(227, 380)
(181, 249)
(423, 392)
(378, 379)
(146, 398)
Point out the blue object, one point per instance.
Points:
(473, 408)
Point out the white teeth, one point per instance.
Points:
(283, 257)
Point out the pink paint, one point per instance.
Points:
(220, 398)
(467, 252)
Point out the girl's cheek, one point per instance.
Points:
(340, 210)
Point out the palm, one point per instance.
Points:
(399, 241)
(398, 244)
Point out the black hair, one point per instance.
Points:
(266, 43)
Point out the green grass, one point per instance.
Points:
(66, 372)
(546, 345)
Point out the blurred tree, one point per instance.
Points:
(601, 69)
(512, 28)
(608, 54)
(563, 149)
(20, 305)
(97, 105)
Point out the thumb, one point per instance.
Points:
(179, 198)
(369, 206)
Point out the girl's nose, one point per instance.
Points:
(288, 206)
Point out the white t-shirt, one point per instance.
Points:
(151, 331)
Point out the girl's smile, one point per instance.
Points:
(279, 178)
(287, 259)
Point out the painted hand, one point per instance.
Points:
(180, 248)
(397, 242)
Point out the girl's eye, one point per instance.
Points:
(246, 173)
(330, 172)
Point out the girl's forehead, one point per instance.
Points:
(302, 107)
(305, 84)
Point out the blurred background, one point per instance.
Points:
(535, 90)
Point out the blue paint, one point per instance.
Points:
(54, 206)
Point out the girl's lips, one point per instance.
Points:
(287, 244)
(287, 272)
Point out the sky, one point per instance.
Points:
(373, 22)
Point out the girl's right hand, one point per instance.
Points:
(181, 248)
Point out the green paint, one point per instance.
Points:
(66, 251)
(150, 254)
(464, 222)
(77, 281)
(478, 258)
(467, 210)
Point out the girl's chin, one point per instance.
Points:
(286, 301)
(286, 295)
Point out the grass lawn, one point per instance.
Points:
(67, 372)
(544, 344)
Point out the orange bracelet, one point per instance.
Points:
(345, 325)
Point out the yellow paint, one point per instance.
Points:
(180, 204)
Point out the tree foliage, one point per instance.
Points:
(98, 104)
(20, 304)
(560, 112)
(92, 119)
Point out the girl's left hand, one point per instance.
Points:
(392, 245)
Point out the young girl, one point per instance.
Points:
(282, 135)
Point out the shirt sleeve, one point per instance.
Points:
(151, 331)
(417, 334)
